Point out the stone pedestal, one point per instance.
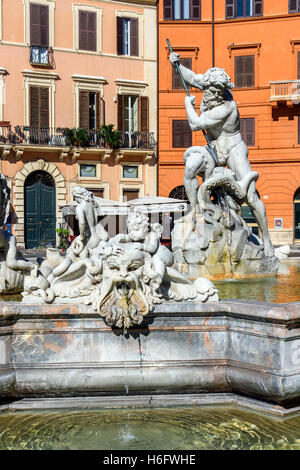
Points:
(249, 348)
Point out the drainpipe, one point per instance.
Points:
(213, 30)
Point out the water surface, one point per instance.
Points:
(198, 428)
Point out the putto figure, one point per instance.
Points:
(220, 118)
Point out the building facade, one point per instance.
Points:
(67, 69)
(258, 43)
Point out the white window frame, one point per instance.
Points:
(140, 17)
(136, 187)
(89, 162)
(40, 79)
(86, 83)
(76, 8)
(139, 165)
(51, 5)
(88, 186)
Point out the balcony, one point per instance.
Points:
(285, 90)
(41, 56)
(65, 137)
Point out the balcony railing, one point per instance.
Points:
(61, 137)
(42, 56)
(285, 90)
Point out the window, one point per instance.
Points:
(181, 134)
(98, 192)
(89, 109)
(243, 8)
(39, 107)
(130, 171)
(176, 82)
(294, 6)
(127, 36)
(87, 171)
(133, 113)
(87, 31)
(244, 71)
(39, 34)
(130, 194)
(248, 130)
(182, 9)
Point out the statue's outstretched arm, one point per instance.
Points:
(206, 120)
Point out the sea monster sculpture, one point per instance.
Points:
(121, 278)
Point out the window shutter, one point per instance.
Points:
(98, 110)
(298, 66)
(39, 25)
(134, 37)
(249, 71)
(176, 82)
(244, 71)
(120, 44)
(44, 26)
(39, 107)
(83, 30)
(258, 8)
(102, 111)
(230, 9)
(168, 9)
(92, 31)
(247, 129)
(298, 129)
(144, 114)
(187, 134)
(121, 112)
(130, 194)
(238, 71)
(195, 9)
(181, 134)
(293, 4)
(44, 107)
(84, 109)
(34, 106)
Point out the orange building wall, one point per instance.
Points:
(276, 154)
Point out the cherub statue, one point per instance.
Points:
(147, 239)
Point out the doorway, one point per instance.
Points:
(40, 210)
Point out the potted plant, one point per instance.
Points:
(77, 137)
(63, 234)
(112, 137)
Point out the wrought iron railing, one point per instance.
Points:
(142, 140)
(65, 137)
(285, 90)
(42, 56)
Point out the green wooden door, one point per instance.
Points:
(40, 219)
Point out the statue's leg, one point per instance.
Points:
(259, 212)
(238, 162)
(194, 165)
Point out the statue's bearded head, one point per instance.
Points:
(215, 83)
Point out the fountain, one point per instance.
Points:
(106, 300)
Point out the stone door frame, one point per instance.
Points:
(19, 187)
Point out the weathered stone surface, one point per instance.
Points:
(244, 347)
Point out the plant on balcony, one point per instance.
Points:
(77, 137)
(112, 137)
